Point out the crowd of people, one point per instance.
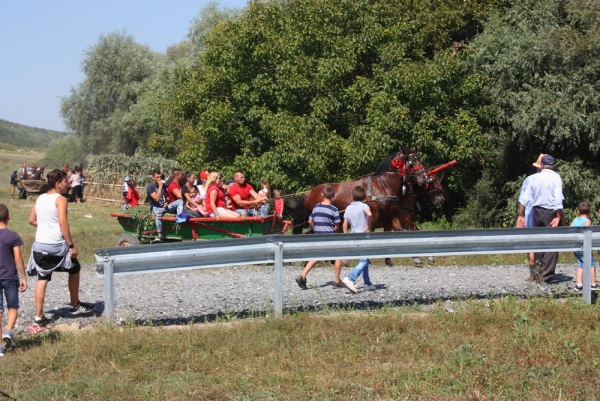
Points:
(52, 251)
(203, 195)
(75, 180)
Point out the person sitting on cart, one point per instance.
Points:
(39, 174)
(215, 198)
(159, 204)
(240, 192)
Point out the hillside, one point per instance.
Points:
(27, 137)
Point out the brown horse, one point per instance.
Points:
(392, 190)
(393, 180)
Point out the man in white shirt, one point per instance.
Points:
(528, 222)
(545, 194)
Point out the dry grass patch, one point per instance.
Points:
(538, 349)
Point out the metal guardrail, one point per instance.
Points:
(278, 249)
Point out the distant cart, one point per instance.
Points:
(200, 228)
(29, 188)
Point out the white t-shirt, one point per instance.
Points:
(48, 230)
(355, 213)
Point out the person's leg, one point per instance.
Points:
(228, 214)
(366, 277)
(309, 265)
(264, 209)
(40, 295)
(579, 277)
(358, 270)
(12, 195)
(158, 213)
(337, 266)
(74, 288)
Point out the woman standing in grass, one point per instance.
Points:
(53, 248)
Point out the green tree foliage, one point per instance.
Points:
(100, 109)
(541, 62)
(67, 150)
(302, 92)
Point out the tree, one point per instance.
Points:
(99, 108)
(302, 92)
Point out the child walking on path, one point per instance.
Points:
(324, 219)
(582, 220)
(11, 259)
(358, 216)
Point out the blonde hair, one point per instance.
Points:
(277, 192)
(265, 183)
(211, 179)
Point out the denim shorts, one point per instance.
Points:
(10, 288)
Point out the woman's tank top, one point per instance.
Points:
(48, 230)
(579, 221)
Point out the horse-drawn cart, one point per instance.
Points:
(31, 187)
(198, 228)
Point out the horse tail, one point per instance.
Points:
(300, 217)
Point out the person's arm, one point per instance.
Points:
(61, 206)
(369, 219)
(345, 226)
(156, 195)
(311, 224)
(258, 197)
(588, 223)
(558, 204)
(237, 199)
(190, 203)
(521, 218)
(21, 267)
(213, 203)
(33, 216)
(336, 227)
(177, 193)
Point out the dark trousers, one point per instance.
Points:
(545, 262)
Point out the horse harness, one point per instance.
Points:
(384, 198)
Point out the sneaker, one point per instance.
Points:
(349, 285)
(41, 321)
(578, 287)
(595, 287)
(338, 285)
(369, 287)
(2, 350)
(81, 309)
(301, 282)
(157, 240)
(8, 339)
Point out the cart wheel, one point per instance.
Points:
(127, 240)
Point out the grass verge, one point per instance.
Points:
(537, 349)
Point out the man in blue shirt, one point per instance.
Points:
(544, 192)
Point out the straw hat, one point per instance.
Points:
(538, 162)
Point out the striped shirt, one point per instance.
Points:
(324, 218)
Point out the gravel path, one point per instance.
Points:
(178, 297)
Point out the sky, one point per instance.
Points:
(42, 43)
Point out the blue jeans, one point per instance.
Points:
(173, 207)
(264, 210)
(249, 212)
(361, 267)
(10, 288)
(579, 257)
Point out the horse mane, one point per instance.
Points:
(385, 165)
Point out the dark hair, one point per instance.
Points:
(584, 208)
(156, 171)
(358, 193)
(182, 180)
(328, 192)
(3, 213)
(54, 177)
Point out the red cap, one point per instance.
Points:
(204, 174)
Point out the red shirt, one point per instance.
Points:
(220, 201)
(243, 192)
(173, 186)
(132, 197)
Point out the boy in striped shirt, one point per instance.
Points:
(324, 219)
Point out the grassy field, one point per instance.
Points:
(503, 349)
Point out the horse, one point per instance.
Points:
(392, 192)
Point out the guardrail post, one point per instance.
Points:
(587, 267)
(278, 298)
(109, 289)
